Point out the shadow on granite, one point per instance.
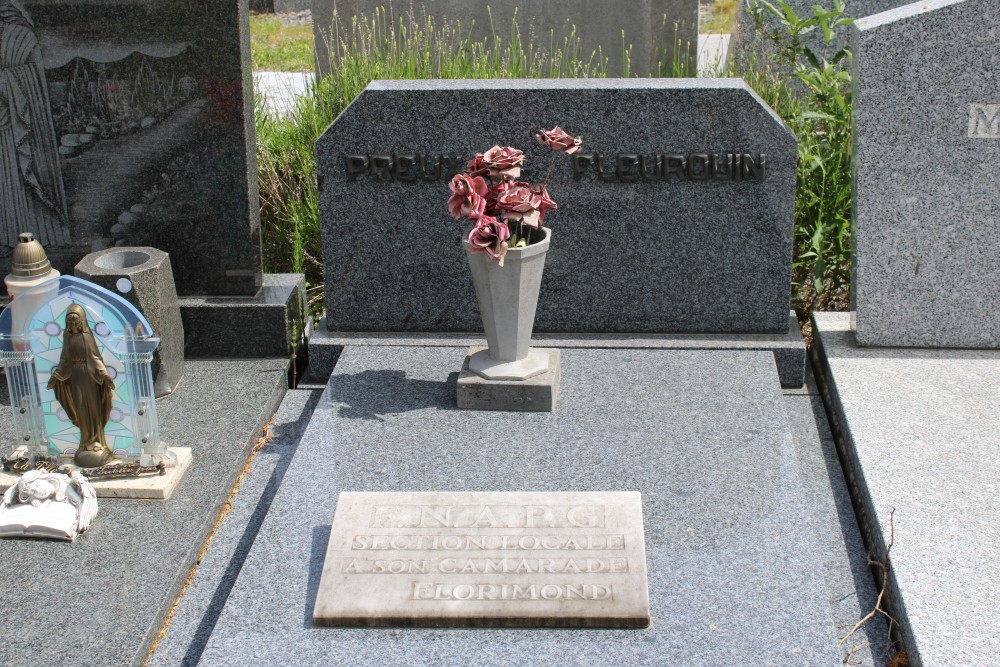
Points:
(396, 394)
(199, 609)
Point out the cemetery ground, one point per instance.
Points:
(806, 500)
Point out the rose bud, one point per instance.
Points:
(468, 198)
(521, 203)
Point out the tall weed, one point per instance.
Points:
(380, 48)
(816, 104)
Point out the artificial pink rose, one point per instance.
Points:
(503, 163)
(476, 166)
(493, 193)
(544, 203)
(468, 199)
(521, 203)
(490, 236)
(558, 140)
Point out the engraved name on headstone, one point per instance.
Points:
(485, 559)
(984, 121)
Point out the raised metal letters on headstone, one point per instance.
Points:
(486, 560)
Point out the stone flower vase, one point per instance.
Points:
(507, 298)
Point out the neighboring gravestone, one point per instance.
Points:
(676, 217)
(927, 146)
(747, 46)
(131, 124)
(485, 560)
(657, 30)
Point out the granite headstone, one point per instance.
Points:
(131, 124)
(657, 30)
(676, 217)
(927, 145)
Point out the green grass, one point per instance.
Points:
(378, 49)
(721, 19)
(816, 102)
(279, 48)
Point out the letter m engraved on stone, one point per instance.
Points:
(984, 121)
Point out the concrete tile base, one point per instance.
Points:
(789, 349)
(147, 487)
(919, 433)
(539, 393)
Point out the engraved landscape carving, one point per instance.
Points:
(122, 124)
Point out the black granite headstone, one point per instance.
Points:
(129, 123)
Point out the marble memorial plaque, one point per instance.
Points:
(485, 560)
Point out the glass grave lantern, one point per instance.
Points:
(31, 330)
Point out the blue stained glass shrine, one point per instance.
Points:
(31, 329)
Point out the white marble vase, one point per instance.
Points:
(508, 296)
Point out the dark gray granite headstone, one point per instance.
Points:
(133, 126)
(927, 201)
(663, 255)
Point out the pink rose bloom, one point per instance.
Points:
(493, 193)
(468, 199)
(521, 202)
(543, 202)
(558, 140)
(490, 236)
(503, 163)
(476, 166)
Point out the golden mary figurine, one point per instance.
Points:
(84, 389)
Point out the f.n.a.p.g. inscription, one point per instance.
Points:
(485, 559)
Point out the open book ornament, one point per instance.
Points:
(48, 505)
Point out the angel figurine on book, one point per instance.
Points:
(48, 505)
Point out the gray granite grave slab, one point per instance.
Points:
(714, 256)
(162, 154)
(849, 586)
(927, 141)
(918, 432)
(733, 572)
(268, 324)
(748, 46)
(657, 30)
(117, 582)
(144, 278)
(199, 608)
(789, 350)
